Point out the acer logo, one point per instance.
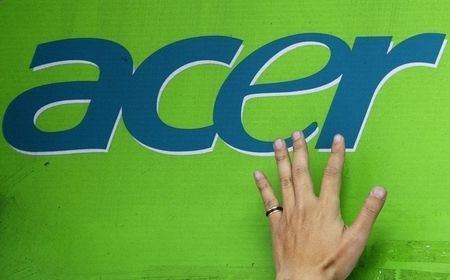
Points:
(121, 91)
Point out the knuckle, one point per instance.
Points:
(323, 212)
(337, 151)
(286, 182)
(302, 209)
(370, 210)
(354, 237)
(262, 184)
(332, 171)
(338, 148)
(281, 156)
(270, 202)
(329, 202)
(299, 144)
(300, 170)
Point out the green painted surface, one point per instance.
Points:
(132, 213)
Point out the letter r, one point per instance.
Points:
(372, 62)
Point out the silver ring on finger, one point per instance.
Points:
(273, 210)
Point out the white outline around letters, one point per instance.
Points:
(275, 94)
(383, 81)
(69, 101)
(246, 98)
(164, 85)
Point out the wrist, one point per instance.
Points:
(304, 276)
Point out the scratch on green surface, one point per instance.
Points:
(133, 213)
(420, 275)
(406, 259)
(386, 274)
(169, 272)
(413, 251)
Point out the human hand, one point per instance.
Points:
(309, 238)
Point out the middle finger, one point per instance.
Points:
(284, 172)
(300, 168)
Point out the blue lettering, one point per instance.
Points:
(241, 85)
(95, 131)
(360, 72)
(371, 64)
(140, 108)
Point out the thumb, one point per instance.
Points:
(358, 233)
(369, 212)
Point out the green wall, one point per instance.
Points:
(133, 213)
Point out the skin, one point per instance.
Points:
(309, 239)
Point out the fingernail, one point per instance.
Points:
(337, 138)
(297, 135)
(378, 192)
(258, 175)
(279, 144)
